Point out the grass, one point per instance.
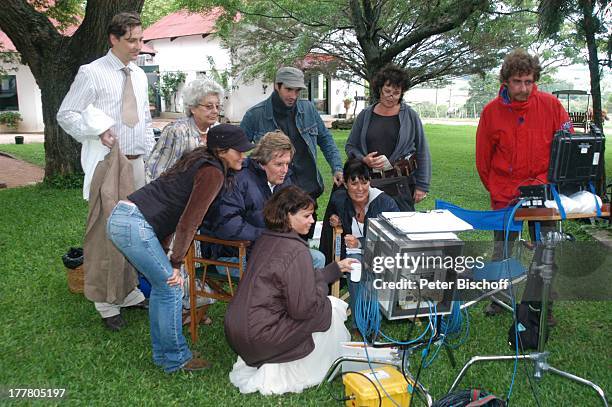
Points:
(32, 152)
(54, 339)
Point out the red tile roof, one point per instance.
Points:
(6, 44)
(313, 60)
(147, 49)
(183, 23)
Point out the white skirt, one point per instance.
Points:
(295, 376)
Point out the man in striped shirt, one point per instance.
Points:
(107, 104)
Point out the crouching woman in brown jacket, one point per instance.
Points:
(282, 324)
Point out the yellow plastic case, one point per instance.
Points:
(364, 395)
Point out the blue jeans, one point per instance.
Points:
(318, 261)
(136, 239)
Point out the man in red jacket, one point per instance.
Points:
(514, 136)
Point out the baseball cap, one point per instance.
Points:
(225, 136)
(290, 77)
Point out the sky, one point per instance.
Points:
(579, 76)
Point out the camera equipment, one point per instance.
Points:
(574, 162)
(575, 158)
(534, 196)
(417, 272)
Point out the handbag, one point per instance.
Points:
(400, 173)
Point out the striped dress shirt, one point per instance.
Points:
(100, 83)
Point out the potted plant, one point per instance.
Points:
(170, 83)
(10, 120)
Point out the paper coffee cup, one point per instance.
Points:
(356, 272)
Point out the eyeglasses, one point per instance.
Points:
(210, 106)
(391, 92)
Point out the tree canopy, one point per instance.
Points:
(430, 39)
(592, 34)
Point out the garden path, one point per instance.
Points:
(16, 173)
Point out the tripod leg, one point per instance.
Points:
(501, 303)
(580, 380)
(476, 359)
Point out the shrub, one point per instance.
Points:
(10, 119)
(343, 124)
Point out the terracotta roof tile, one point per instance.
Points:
(183, 23)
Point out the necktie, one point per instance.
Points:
(129, 113)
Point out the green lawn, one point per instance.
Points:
(32, 152)
(51, 338)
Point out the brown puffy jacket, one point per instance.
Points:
(281, 300)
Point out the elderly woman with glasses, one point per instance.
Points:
(201, 103)
(385, 134)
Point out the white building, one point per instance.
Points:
(184, 42)
(453, 96)
(19, 92)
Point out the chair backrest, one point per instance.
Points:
(221, 285)
(337, 241)
(483, 220)
(490, 220)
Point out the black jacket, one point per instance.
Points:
(237, 214)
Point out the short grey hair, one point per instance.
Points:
(196, 90)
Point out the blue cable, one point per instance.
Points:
(430, 326)
(506, 237)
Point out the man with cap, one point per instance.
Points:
(301, 122)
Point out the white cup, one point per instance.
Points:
(356, 272)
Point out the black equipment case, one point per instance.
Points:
(576, 157)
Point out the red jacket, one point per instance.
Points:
(513, 143)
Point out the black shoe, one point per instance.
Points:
(114, 323)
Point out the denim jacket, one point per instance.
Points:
(259, 120)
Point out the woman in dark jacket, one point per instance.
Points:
(174, 205)
(281, 322)
(351, 208)
(387, 132)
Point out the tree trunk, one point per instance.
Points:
(54, 61)
(588, 25)
(62, 152)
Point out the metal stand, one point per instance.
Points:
(540, 357)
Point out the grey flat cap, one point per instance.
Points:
(290, 77)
